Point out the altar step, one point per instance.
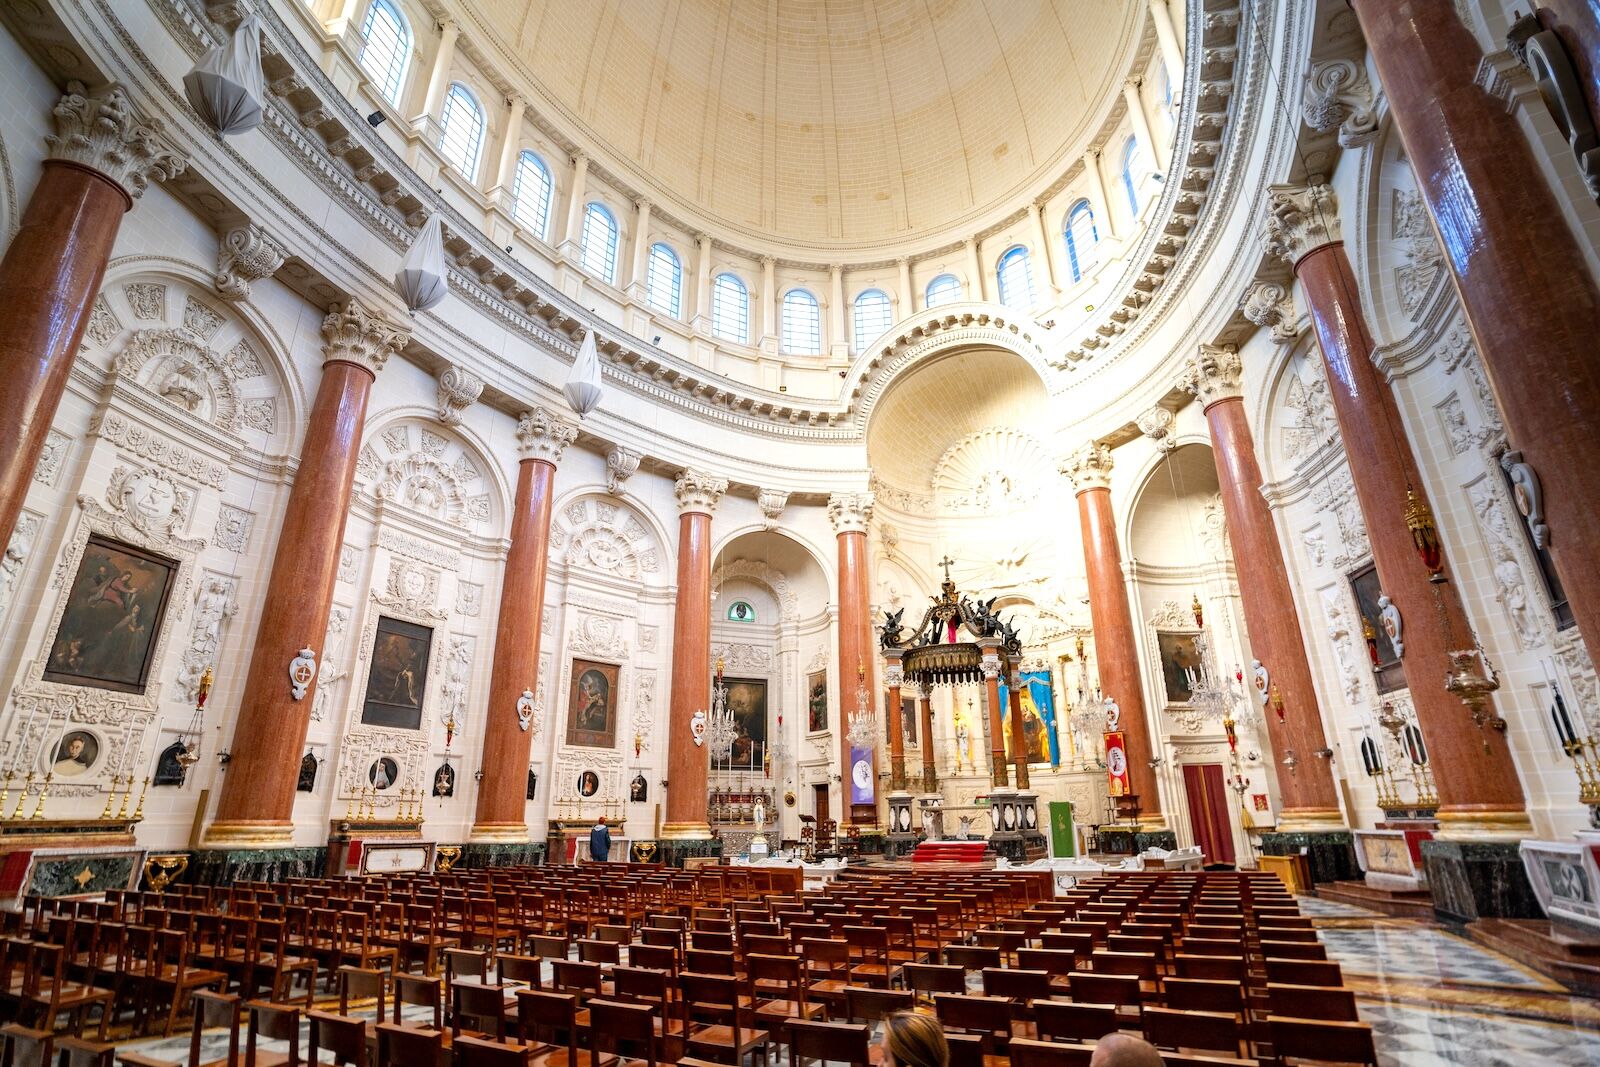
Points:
(1566, 953)
(950, 852)
(1402, 904)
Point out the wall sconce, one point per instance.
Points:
(224, 757)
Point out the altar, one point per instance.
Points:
(568, 840)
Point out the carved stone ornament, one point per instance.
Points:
(850, 512)
(621, 464)
(772, 502)
(1393, 625)
(302, 672)
(697, 728)
(1300, 220)
(1113, 714)
(1339, 96)
(1089, 467)
(105, 134)
(352, 334)
(1527, 494)
(525, 710)
(1263, 681)
(459, 389)
(544, 435)
(1561, 88)
(1213, 375)
(185, 373)
(698, 491)
(1271, 304)
(245, 254)
(1156, 424)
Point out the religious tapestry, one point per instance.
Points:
(1038, 700)
(863, 776)
(75, 753)
(1179, 660)
(747, 703)
(113, 614)
(592, 704)
(817, 701)
(398, 676)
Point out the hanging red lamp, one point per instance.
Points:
(1199, 613)
(1277, 704)
(1370, 635)
(1424, 536)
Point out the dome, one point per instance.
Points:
(830, 124)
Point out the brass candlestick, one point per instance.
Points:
(105, 813)
(122, 809)
(22, 798)
(138, 812)
(5, 794)
(44, 791)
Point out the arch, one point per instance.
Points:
(730, 308)
(600, 242)
(596, 532)
(1132, 161)
(874, 314)
(1082, 237)
(815, 553)
(386, 48)
(394, 466)
(1015, 275)
(461, 127)
(1148, 473)
(945, 289)
(801, 328)
(660, 537)
(664, 280)
(531, 190)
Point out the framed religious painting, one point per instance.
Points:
(113, 615)
(747, 703)
(398, 676)
(817, 701)
(908, 718)
(1038, 703)
(1375, 641)
(592, 704)
(1179, 660)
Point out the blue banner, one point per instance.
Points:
(1038, 717)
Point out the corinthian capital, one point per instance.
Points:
(106, 134)
(1089, 467)
(542, 434)
(1271, 304)
(352, 334)
(850, 512)
(698, 491)
(1213, 375)
(1300, 220)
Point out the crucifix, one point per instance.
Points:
(947, 563)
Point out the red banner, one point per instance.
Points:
(1116, 764)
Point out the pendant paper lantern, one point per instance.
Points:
(583, 385)
(225, 87)
(421, 279)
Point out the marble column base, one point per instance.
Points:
(217, 866)
(502, 854)
(1473, 880)
(1331, 854)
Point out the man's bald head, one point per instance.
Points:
(1120, 1050)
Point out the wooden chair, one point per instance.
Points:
(827, 970)
(76, 1052)
(717, 1024)
(26, 1047)
(1183, 1059)
(272, 1022)
(524, 971)
(341, 1035)
(420, 990)
(828, 1042)
(172, 977)
(926, 979)
(407, 1046)
(1304, 972)
(1063, 1020)
(1018, 986)
(481, 1005)
(476, 1052)
(1028, 1053)
(869, 946)
(1294, 950)
(868, 1004)
(47, 992)
(777, 989)
(359, 983)
(987, 1017)
(1203, 994)
(1218, 968)
(615, 1027)
(1321, 1041)
(1312, 1002)
(1176, 1028)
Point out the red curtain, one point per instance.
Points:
(1208, 811)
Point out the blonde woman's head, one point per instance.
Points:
(915, 1040)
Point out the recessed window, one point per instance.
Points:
(802, 323)
(530, 194)
(741, 611)
(461, 130)
(600, 243)
(1166, 88)
(945, 289)
(874, 315)
(730, 309)
(1082, 239)
(1133, 172)
(385, 49)
(664, 278)
(1016, 279)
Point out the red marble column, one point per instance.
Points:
(897, 741)
(1529, 297)
(930, 769)
(1479, 792)
(999, 773)
(1115, 643)
(1309, 797)
(850, 513)
(687, 762)
(102, 156)
(502, 792)
(257, 804)
(1019, 733)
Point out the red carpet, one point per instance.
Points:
(950, 852)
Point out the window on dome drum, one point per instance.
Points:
(741, 611)
(664, 280)
(1133, 172)
(874, 315)
(945, 289)
(461, 130)
(385, 49)
(600, 243)
(1083, 239)
(730, 309)
(1166, 87)
(802, 323)
(1016, 279)
(530, 194)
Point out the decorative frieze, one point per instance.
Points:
(104, 133)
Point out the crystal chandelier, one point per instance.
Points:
(721, 730)
(778, 746)
(1212, 693)
(863, 732)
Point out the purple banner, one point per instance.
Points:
(863, 776)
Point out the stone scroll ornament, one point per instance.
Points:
(1527, 494)
(525, 710)
(302, 672)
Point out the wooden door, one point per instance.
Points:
(820, 793)
(1208, 811)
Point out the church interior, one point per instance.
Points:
(558, 532)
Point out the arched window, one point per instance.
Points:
(1133, 169)
(1166, 87)
(945, 289)
(730, 309)
(802, 323)
(874, 315)
(461, 130)
(1082, 239)
(1016, 279)
(741, 611)
(664, 280)
(385, 48)
(530, 194)
(600, 243)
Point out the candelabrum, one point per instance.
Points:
(1217, 695)
(721, 729)
(1472, 679)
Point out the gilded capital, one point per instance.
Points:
(542, 434)
(850, 512)
(106, 134)
(1213, 375)
(1089, 467)
(1271, 304)
(698, 491)
(1300, 220)
(352, 334)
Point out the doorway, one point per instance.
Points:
(1208, 811)
(819, 794)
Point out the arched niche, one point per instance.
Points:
(414, 465)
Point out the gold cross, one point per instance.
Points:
(83, 878)
(947, 563)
